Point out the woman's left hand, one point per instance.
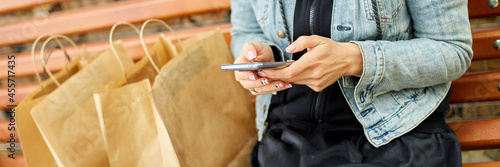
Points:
(322, 65)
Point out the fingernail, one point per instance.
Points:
(262, 73)
(264, 82)
(291, 48)
(252, 77)
(288, 86)
(251, 55)
(279, 85)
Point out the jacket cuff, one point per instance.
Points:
(373, 70)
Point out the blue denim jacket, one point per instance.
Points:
(425, 45)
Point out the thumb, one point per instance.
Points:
(304, 42)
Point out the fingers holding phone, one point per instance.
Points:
(257, 52)
(260, 85)
(274, 86)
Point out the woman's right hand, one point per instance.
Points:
(257, 85)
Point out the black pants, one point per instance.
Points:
(287, 146)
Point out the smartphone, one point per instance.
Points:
(254, 66)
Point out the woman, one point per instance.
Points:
(370, 84)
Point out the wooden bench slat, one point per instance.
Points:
(57, 61)
(20, 161)
(22, 91)
(101, 17)
(482, 43)
(5, 132)
(479, 134)
(10, 5)
(476, 87)
(482, 164)
(480, 9)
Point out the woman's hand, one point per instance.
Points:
(257, 52)
(323, 64)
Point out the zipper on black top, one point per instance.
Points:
(318, 110)
(317, 105)
(312, 11)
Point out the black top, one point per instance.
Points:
(300, 106)
(328, 110)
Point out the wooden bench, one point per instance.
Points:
(477, 87)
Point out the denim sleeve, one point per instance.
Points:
(245, 27)
(440, 52)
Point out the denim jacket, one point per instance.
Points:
(425, 45)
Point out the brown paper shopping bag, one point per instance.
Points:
(127, 119)
(161, 53)
(71, 132)
(35, 150)
(208, 115)
(130, 128)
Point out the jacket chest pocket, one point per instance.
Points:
(394, 17)
(261, 10)
(387, 9)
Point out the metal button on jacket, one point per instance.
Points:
(280, 34)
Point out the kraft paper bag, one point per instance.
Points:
(35, 150)
(162, 52)
(71, 132)
(131, 134)
(206, 112)
(127, 119)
